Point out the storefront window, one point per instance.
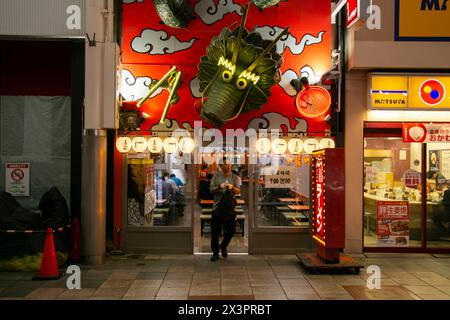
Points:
(282, 191)
(159, 190)
(392, 193)
(438, 194)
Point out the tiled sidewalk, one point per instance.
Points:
(182, 277)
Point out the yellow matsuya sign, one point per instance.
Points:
(422, 20)
(426, 92)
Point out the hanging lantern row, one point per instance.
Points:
(294, 146)
(155, 144)
(186, 145)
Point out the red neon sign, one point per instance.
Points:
(319, 200)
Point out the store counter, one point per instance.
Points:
(415, 214)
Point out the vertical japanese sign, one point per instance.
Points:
(319, 199)
(17, 177)
(393, 223)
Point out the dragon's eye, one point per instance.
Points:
(241, 83)
(227, 76)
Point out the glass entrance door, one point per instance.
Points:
(203, 209)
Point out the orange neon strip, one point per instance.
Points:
(319, 240)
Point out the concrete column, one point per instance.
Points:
(355, 114)
(93, 197)
(99, 105)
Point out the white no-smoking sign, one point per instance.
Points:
(18, 179)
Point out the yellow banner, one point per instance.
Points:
(389, 92)
(423, 20)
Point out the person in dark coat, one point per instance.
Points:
(224, 186)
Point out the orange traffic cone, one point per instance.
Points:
(75, 252)
(49, 264)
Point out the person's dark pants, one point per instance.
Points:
(439, 220)
(217, 223)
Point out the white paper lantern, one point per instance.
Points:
(279, 146)
(327, 143)
(170, 145)
(139, 144)
(186, 145)
(123, 144)
(263, 145)
(155, 145)
(310, 145)
(295, 146)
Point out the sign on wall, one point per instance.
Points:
(17, 177)
(428, 92)
(282, 177)
(393, 223)
(426, 132)
(150, 49)
(422, 20)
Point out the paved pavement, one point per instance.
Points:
(269, 277)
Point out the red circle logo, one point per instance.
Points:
(432, 92)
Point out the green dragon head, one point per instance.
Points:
(237, 73)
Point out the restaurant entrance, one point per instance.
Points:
(203, 210)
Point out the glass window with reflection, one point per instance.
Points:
(282, 191)
(159, 190)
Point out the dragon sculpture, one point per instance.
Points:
(237, 73)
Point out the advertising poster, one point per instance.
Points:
(393, 223)
(434, 160)
(17, 178)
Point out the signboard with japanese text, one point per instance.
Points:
(319, 199)
(428, 92)
(327, 194)
(426, 132)
(393, 223)
(282, 177)
(17, 177)
(422, 20)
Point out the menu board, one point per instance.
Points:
(393, 223)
